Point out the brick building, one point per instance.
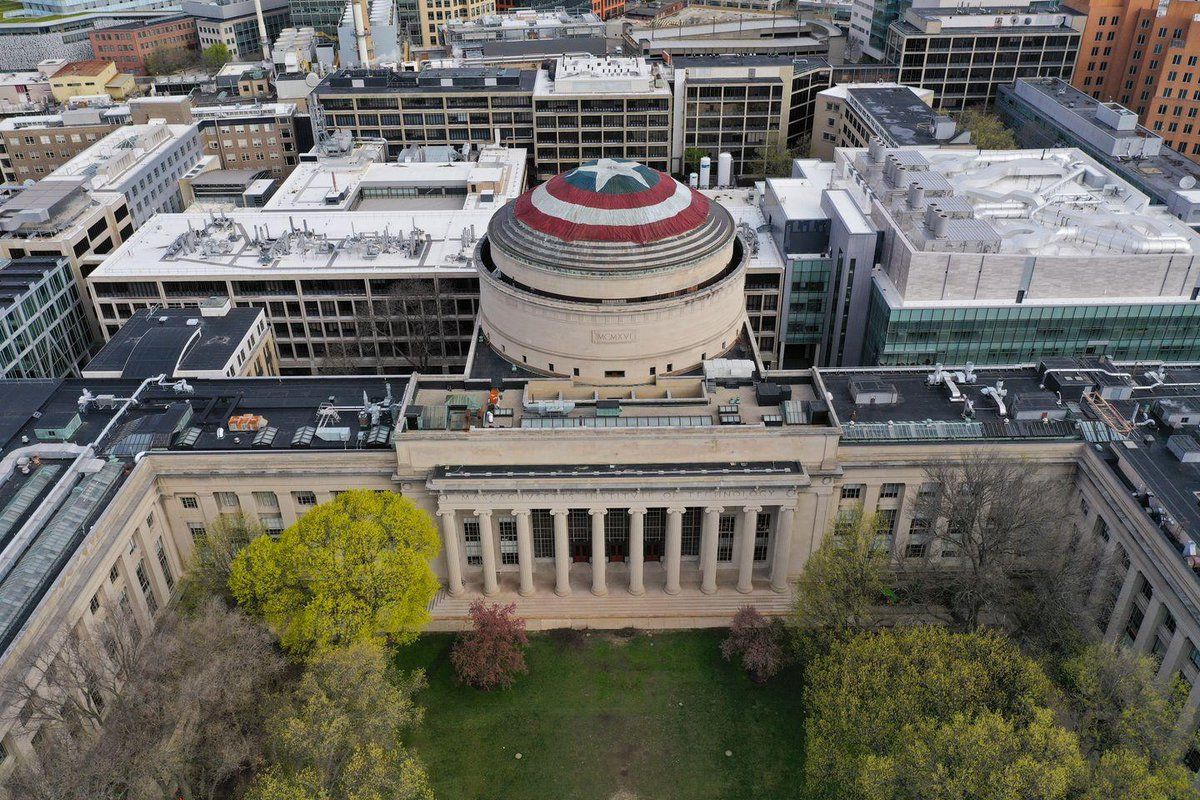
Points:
(1145, 58)
(130, 44)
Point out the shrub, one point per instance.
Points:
(492, 653)
(756, 641)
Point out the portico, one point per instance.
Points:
(722, 528)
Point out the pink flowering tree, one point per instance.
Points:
(492, 653)
(755, 641)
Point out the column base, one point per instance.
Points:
(637, 592)
(562, 592)
(745, 589)
(523, 593)
(671, 591)
(491, 593)
(600, 592)
(459, 592)
(779, 589)
(708, 590)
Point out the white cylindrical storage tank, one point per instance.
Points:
(694, 180)
(725, 169)
(705, 171)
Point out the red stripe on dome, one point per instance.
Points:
(689, 219)
(562, 189)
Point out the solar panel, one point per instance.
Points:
(264, 437)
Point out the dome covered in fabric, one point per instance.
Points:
(612, 200)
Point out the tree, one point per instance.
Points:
(208, 573)
(353, 569)
(691, 159)
(412, 319)
(983, 757)
(756, 642)
(492, 653)
(843, 582)
(338, 735)
(1118, 704)
(987, 130)
(863, 693)
(216, 56)
(167, 60)
(1130, 776)
(774, 159)
(179, 713)
(995, 526)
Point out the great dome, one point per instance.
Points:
(612, 270)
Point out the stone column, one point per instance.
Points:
(1173, 658)
(598, 586)
(487, 543)
(562, 553)
(745, 583)
(637, 525)
(1120, 612)
(674, 548)
(454, 576)
(708, 549)
(1149, 629)
(782, 551)
(525, 550)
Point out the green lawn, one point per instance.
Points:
(646, 715)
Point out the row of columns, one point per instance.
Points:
(672, 556)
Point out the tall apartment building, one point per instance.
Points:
(129, 44)
(33, 146)
(851, 115)
(1144, 55)
(965, 53)
(433, 14)
(141, 162)
(742, 105)
(587, 107)
(1049, 112)
(43, 328)
(234, 24)
(436, 106)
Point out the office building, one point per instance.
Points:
(743, 105)
(209, 340)
(234, 24)
(433, 14)
(141, 162)
(1049, 112)
(742, 34)
(530, 54)
(1144, 55)
(524, 24)
(43, 328)
(219, 190)
(586, 107)
(34, 145)
(24, 92)
(129, 44)
(851, 115)
(451, 106)
(869, 24)
(93, 78)
(965, 53)
(322, 16)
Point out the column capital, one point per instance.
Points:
(636, 510)
(714, 509)
(560, 512)
(680, 510)
(752, 509)
(597, 512)
(483, 512)
(443, 511)
(521, 512)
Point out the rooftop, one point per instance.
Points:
(588, 74)
(108, 163)
(89, 69)
(742, 204)
(176, 342)
(148, 23)
(901, 112)
(19, 276)
(433, 80)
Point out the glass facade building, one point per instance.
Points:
(807, 310)
(1012, 334)
(43, 332)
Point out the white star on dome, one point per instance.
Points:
(605, 169)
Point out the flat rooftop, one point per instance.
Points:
(17, 277)
(900, 111)
(109, 161)
(1049, 202)
(171, 342)
(434, 80)
(88, 69)
(742, 205)
(252, 245)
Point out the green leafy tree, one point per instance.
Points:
(216, 56)
(987, 130)
(350, 570)
(843, 582)
(983, 757)
(691, 158)
(774, 159)
(1130, 776)
(339, 734)
(867, 689)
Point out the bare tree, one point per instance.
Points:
(208, 574)
(176, 714)
(1002, 541)
(412, 318)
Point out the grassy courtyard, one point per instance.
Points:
(611, 715)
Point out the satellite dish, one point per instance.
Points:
(1187, 182)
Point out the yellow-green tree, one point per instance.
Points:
(843, 582)
(1131, 776)
(351, 570)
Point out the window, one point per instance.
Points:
(508, 540)
(916, 549)
(474, 546)
(304, 498)
(762, 535)
(147, 589)
(114, 574)
(149, 522)
(94, 603)
(692, 524)
(164, 565)
(189, 502)
(266, 500)
(1101, 529)
(542, 522)
(852, 491)
(196, 529)
(890, 490)
(725, 528)
(273, 525)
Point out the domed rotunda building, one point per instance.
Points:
(612, 270)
